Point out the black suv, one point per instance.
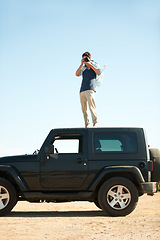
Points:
(111, 167)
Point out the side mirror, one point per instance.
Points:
(49, 149)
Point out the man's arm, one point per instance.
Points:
(80, 68)
(97, 71)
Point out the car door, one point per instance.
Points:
(66, 168)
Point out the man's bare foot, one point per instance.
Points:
(94, 124)
(87, 125)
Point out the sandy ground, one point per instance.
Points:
(80, 220)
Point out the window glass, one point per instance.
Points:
(115, 142)
(66, 146)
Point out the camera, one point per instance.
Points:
(86, 59)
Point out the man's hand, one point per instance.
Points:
(80, 67)
(89, 65)
(82, 61)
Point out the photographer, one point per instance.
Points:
(89, 71)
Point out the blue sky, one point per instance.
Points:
(41, 43)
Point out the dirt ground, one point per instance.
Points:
(81, 220)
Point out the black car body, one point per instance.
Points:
(94, 164)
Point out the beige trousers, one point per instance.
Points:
(88, 97)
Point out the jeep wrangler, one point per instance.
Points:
(111, 167)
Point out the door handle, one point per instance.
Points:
(80, 160)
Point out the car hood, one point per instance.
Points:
(19, 158)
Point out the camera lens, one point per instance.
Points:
(86, 59)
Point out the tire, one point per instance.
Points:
(8, 197)
(155, 157)
(118, 196)
(97, 204)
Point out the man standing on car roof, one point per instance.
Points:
(89, 71)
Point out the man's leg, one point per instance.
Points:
(92, 105)
(83, 101)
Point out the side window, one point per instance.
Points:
(110, 145)
(115, 142)
(68, 143)
(66, 146)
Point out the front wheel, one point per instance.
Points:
(8, 197)
(118, 196)
(97, 204)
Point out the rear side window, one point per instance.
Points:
(115, 143)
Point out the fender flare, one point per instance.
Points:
(118, 170)
(14, 175)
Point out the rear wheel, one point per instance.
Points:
(8, 196)
(118, 196)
